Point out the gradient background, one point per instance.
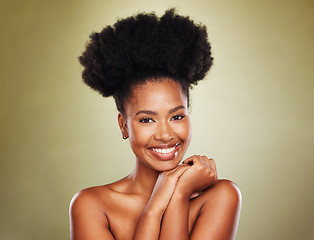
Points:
(254, 114)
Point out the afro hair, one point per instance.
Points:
(144, 47)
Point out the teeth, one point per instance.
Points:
(164, 150)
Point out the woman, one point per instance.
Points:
(148, 65)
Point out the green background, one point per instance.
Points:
(253, 114)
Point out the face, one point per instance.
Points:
(157, 123)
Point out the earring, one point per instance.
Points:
(124, 137)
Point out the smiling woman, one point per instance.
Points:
(158, 124)
(148, 65)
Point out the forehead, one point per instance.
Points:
(157, 95)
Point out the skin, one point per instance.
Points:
(159, 199)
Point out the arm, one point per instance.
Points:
(148, 226)
(219, 216)
(176, 218)
(87, 219)
(220, 205)
(199, 176)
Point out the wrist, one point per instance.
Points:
(153, 211)
(181, 194)
(183, 191)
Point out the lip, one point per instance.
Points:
(164, 156)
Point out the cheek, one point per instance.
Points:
(184, 131)
(139, 135)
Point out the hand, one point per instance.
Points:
(200, 175)
(165, 187)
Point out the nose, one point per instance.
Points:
(164, 132)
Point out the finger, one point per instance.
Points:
(195, 159)
(194, 195)
(207, 163)
(188, 161)
(214, 166)
(213, 163)
(203, 162)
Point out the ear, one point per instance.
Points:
(122, 125)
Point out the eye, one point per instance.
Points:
(146, 120)
(177, 117)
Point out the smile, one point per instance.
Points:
(165, 153)
(164, 150)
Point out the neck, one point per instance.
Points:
(142, 179)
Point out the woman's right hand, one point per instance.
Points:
(165, 187)
(201, 174)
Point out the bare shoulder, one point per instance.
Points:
(88, 219)
(227, 190)
(225, 197)
(96, 197)
(89, 198)
(88, 203)
(219, 212)
(97, 212)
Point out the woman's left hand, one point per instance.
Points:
(200, 175)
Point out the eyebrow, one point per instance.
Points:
(176, 109)
(149, 112)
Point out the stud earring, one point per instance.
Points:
(124, 137)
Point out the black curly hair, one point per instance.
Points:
(145, 47)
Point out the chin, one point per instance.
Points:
(166, 166)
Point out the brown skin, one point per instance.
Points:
(159, 199)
